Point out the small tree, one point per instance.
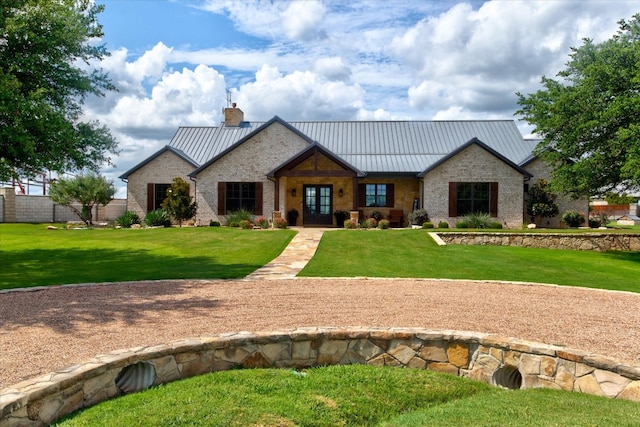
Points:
(541, 203)
(86, 190)
(179, 203)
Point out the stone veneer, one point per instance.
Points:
(600, 242)
(507, 362)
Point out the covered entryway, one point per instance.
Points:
(317, 205)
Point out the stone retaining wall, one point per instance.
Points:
(495, 360)
(600, 242)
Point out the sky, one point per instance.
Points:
(175, 62)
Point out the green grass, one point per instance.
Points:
(32, 255)
(355, 395)
(412, 253)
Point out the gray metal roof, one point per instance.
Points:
(371, 146)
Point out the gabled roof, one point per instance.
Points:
(370, 146)
(475, 141)
(249, 135)
(310, 151)
(164, 149)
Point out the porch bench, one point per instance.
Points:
(395, 217)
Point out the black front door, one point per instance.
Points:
(317, 205)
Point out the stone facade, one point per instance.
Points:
(540, 170)
(160, 170)
(474, 164)
(30, 208)
(248, 162)
(599, 242)
(504, 362)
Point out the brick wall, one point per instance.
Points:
(540, 170)
(249, 162)
(475, 164)
(160, 170)
(30, 208)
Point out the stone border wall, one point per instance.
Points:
(600, 242)
(505, 362)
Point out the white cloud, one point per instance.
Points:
(298, 96)
(301, 20)
(332, 68)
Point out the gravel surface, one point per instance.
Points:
(59, 326)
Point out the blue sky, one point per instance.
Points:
(174, 61)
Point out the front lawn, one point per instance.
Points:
(412, 253)
(32, 255)
(354, 395)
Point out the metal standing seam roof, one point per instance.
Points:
(371, 146)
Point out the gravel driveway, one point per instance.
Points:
(59, 326)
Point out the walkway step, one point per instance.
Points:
(293, 258)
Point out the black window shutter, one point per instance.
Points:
(222, 188)
(390, 196)
(361, 195)
(493, 199)
(151, 196)
(258, 198)
(453, 199)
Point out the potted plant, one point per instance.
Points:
(340, 217)
(292, 216)
(377, 215)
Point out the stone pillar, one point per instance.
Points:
(274, 216)
(9, 196)
(355, 216)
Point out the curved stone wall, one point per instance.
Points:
(495, 360)
(600, 242)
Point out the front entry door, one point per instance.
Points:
(317, 205)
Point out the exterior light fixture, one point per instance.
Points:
(293, 192)
(340, 193)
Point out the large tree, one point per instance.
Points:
(47, 49)
(589, 118)
(87, 191)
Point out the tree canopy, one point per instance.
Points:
(86, 190)
(589, 118)
(47, 49)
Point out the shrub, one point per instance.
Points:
(234, 217)
(478, 220)
(350, 224)
(280, 223)
(495, 225)
(462, 224)
(384, 224)
(370, 223)
(262, 222)
(245, 224)
(418, 217)
(213, 223)
(572, 219)
(158, 218)
(427, 224)
(127, 219)
(599, 220)
(443, 224)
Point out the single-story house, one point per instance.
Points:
(449, 168)
(629, 220)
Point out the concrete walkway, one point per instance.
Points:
(294, 257)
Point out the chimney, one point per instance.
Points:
(233, 116)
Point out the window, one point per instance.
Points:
(473, 197)
(233, 196)
(156, 193)
(375, 195)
